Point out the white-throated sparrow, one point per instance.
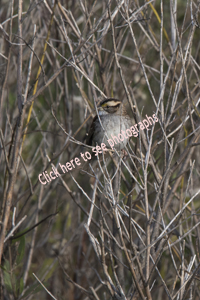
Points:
(114, 125)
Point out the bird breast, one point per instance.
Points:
(113, 125)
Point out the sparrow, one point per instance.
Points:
(110, 125)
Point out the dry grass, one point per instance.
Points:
(131, 229)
